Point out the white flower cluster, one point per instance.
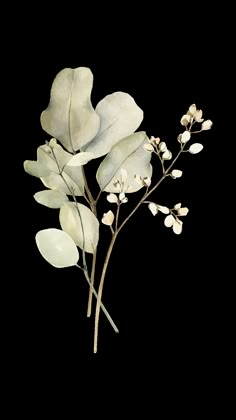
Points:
(195, 115)
(172, 218)
(144, 181)
(159, 147)
(108, 218)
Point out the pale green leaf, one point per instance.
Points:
(56, 161)
(35, 168)
(51, 199)
(129, 155)
(70, 117)
(120, 116)
(57, 248)
(80, 159)
(70, 216)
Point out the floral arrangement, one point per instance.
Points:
(80, 134)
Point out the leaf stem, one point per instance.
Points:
(90, 196)
(100, 290)
(117, 216)
(92, 278)
(102, 306)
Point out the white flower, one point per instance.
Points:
(147, 181)
(123, 175)
(198, 116)
(177, 227)
(177, 206)
(195, 148)
(175, 223)
(162, 146)
(108, 218)
(117, 184)
(53, 142)
(112, 198)
(148, 147)
(169, 220)
(153, 208)
(155, 140)
(144, 181)
(206, 125)
(185, 120)
(123, 199)
(183, 211)
(163, 209)
(185, 137)
(176, 173)
(192, 109)
(167, 155)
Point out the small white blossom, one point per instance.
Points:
(162, 146)
(153, 208)
(108, 218)
(185, 137)
(53, 142)
(156, 140)
(117, 184)
(192, 109)
(148, 147)
(198, 116)
(147, 181)
(144, 181)
(177, 206)
(169, 220)
(177, 226)
(206, 125)
(176, 173)
(112, 198)
(123, 199)
(195, 148)
(167, 155)
(183, 211)
(174, 222)
(163, 209)
(185, 120)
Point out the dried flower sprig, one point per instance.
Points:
(85, 134)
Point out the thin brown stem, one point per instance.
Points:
(117, 216)
(90, 196)
(98, 196)
(109, 251)
(102, 306)
(147, 193)
(92, 277)
(100, 290)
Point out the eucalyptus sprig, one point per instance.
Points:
(85, 134)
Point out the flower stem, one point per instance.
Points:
(100, 290)
(92, 277)
(102, 306)
(113, 239)
(147, 193)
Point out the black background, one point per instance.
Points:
(164, 291)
